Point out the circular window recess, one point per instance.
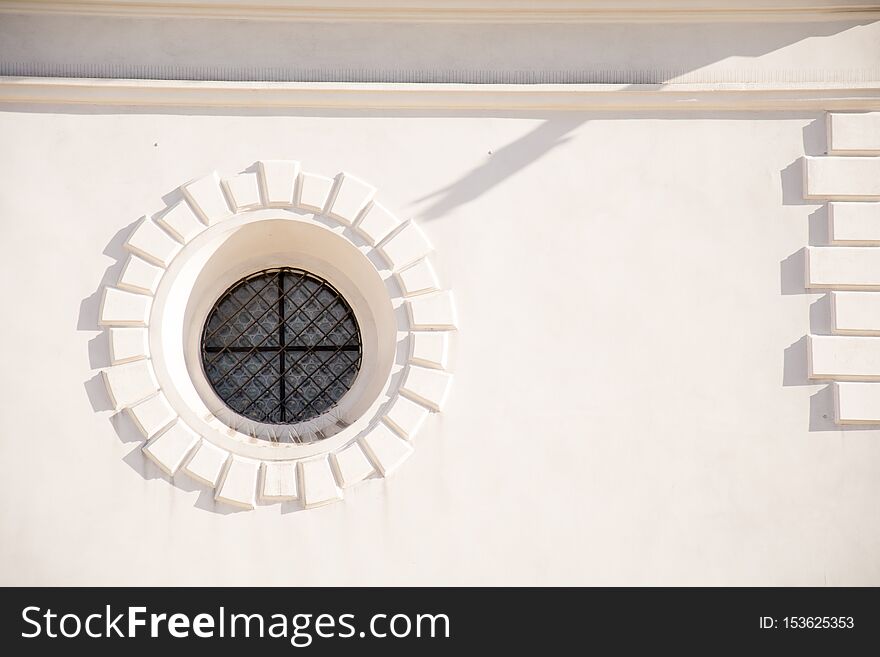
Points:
(281, 347)
(278, 335)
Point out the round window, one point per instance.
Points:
(281, 346)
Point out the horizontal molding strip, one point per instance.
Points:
(465, 11)
(415, 96)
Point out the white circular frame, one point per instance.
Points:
(180, 261)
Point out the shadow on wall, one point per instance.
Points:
(795, 370)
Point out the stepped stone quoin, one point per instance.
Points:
(845, 177)
(352, 196)
(207, 463)
(207, 198)
(152, 243)
(352, 465)
(856, 223)
(130, 383)
(856, 313)
(844, 357)
(843, 267)
(279, 182)
(152, 414)
(182, 222)
(385, 449)
(243, 191)
(140, 276)
(318, 483)
(169, 449)
(857, 403)
(406, 417)
(853, 132)
(239, 486)
(128, 344)
(314, 191)
(280, 481)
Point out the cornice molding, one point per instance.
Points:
(461, 11)
(357, 96)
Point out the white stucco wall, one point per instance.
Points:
(630, 402)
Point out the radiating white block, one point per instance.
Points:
(279, 181)
(207, 199)
(432, 311)
(854, 132)
(385, 449)
(429, 387)
(207, 463)
(130, 383)
(122, 308)
(243, 191)
(152, 243)
(170, 448)
(139, 276)
(406, 246)
(128, 344)
(857, 403)
(279, 481)
(239, 486)
(843, 267)
(417, 278)
(352, 196)
(430, 348)
(352, 465)
(152, 414)
(406, 417)
(856, 312)
(842, 177)
(314, 190)
(182, 222)
(377, 223)
(844, 357)
(854, 223)
(318, 483)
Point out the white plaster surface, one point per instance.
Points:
(627, 290)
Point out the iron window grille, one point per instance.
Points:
(281, 346)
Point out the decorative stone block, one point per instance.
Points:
(278, 181)
(856, 312)
(181, 222)
(854, 133)
(429, 387)
(152, 243)
(169, 449)
(845, 358)
(279, 481)
(130, 383)
(243, 191)
(842, 177)
(207, 464)
(352, 465)
(430, 348)
(352, 196)
(435, 311)
(121, 308)
(854, 223)
(843, 267)
(385, 449)
(418, 278)
(376, 224)
(152, 415)
(857, 403)
(128, 344)
(239, 485)
(207, 199)
(406, 246)
(406, 417)
(318, 483)
(314, 190)
(140, 276)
